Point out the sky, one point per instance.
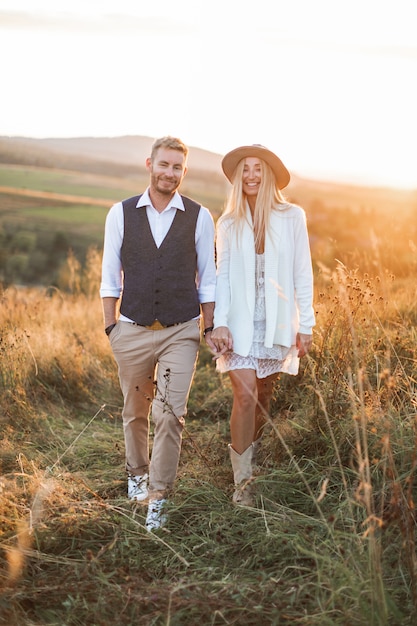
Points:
(328, 85)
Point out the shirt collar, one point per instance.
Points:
(176, 201)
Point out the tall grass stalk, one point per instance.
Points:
(360, 392)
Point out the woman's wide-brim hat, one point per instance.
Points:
(231, 159)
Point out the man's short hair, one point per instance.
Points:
(172, 143)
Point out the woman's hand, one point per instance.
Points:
(303, 343)
(221, 340)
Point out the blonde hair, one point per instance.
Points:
(173, 143)
(268, 198)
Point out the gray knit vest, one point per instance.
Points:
(159, 283)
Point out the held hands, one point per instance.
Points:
(303, 343)
(220, 341)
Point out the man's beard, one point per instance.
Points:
(160, 184)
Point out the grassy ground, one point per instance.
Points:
(331, 540)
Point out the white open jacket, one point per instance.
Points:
(288, 279)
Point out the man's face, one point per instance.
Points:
(167, 170)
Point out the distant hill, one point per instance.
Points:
(129, 152)
(125, 157)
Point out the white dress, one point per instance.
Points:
(265, 361)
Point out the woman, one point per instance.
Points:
(263, 315)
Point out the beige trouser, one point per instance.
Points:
(156, 368)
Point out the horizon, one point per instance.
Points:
(332, 95)
(349, 181)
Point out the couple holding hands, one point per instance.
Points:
(161, 284)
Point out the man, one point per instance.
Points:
(158, 260)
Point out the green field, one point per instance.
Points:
(27, 209)
(64, 182)
(37, 234)
(82, 223)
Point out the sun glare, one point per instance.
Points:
(330, 93)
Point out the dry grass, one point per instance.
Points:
(331, 540)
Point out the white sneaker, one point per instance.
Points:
(137, 487)
(155, 518)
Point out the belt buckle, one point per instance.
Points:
(156, 325)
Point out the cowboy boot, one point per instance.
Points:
(242, 472)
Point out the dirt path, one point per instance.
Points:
(50, 195)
